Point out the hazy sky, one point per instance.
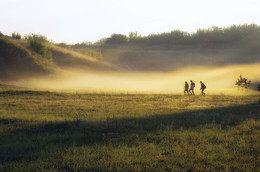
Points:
(89, 20)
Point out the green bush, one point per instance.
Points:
(243, 82)
(35, 37)
(16, 35)
(39, 48)
(117, 39)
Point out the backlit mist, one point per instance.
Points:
(219, 80)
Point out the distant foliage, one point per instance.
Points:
(94, 53)
(212, 37)
(134, 36)
(82, 44)
(64, 45)
(16, 35)
(117, 39)
(100, 42)
(35, 37)
(41, 49)
(1, 34)
(243, 82)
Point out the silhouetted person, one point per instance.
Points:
(203, 87)
(186, 88)
(192, 86)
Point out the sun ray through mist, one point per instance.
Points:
(218, 80)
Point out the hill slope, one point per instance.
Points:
(69, 59)
(18, 60)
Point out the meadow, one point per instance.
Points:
(59, 131)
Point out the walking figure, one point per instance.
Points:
(186, 88)
(192, 85)
(203, 87)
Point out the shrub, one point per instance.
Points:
(35, 37)
(134, 35)
(16, 35)
(243, 82)
(117, 39)
(39, 48)
(1, 34)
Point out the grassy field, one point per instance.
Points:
(54, 131)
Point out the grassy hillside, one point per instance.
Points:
(19, 60)
(48, 131)
(69, 59)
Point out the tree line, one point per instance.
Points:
(248, 35)
(212, 37)
(30, 37)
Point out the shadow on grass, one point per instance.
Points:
(28, 140)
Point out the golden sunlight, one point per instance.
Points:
(220, 80)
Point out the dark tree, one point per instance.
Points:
(117, 39)
(258, 87)
(243, 82)
(16, 35)
(35, 37)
